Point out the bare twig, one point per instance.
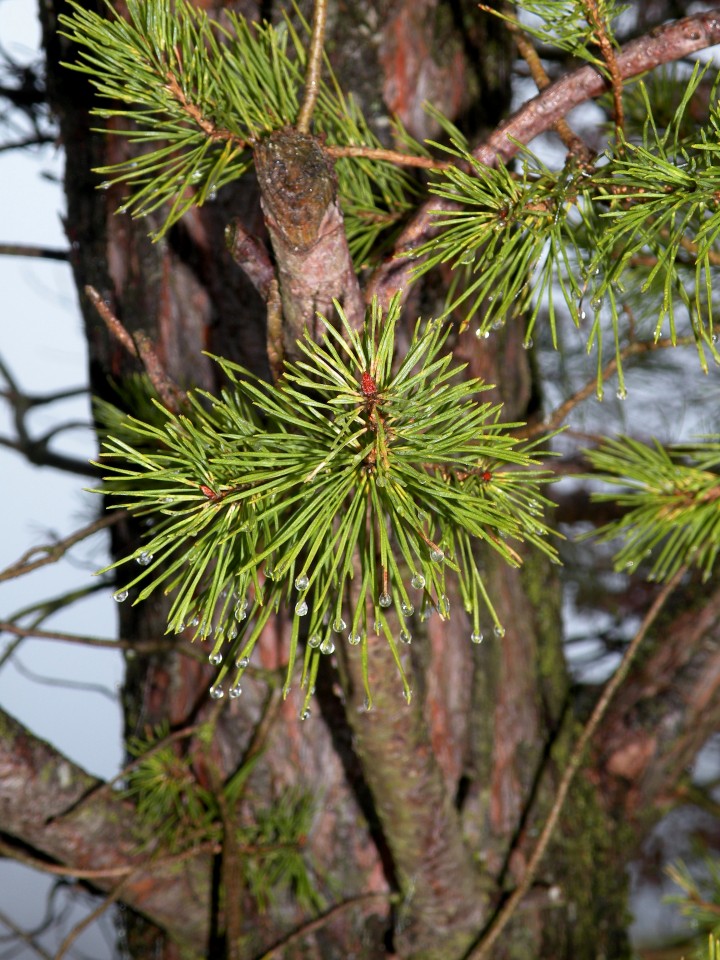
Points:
(530, 55)
(607, 49)
(40, 556)
(559, 415)
(484, 948)
(29, 250)
(140, 346)
(27, 938)
(137, 646)
(314, 66)
(392, 156)
(297, 935)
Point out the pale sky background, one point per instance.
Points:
(42, 342)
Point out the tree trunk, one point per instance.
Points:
(438, 802)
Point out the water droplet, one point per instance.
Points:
(338, 625)
(583, 315)
(405, 637)
(215, 659)
(384, 599)
(217, 693)
(314, 641)
(354, 639)
(407, 609)
(242, 662)
(195, 622)
(621, 394)
(426, 612)
(367, 704)
(327, 646)
(105, 185)
(408, 694)
(121, 596)
(301, 608)
(482, 334)
(498, 324)
(477, 636)
(437, 555)
(498, 630)
(596, 303)
(232, 631)
(234, 692)
(443, 607)
(527, 344)
(381, 480)
(418, 581)
(302, 582)
(205, 629)
(305, 715)
(241, 609)
(144, 558)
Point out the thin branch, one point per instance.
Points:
(560, 414)
(141, 347)
(94, 915)
(137, 646)
(56, 870)
(29, 250)
(668, 43)
(607, 49)
(20, 934)
(40, 556)
(314, 66)
(297, 935)
(392, 156)
(531, 57)
(484, 948)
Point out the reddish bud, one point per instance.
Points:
(210, 494)
(368, 385)
(487, 476)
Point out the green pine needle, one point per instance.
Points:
(350, 490)
(671, 502)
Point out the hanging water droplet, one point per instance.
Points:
(477, 636)
(217, 693)
(144, 558)
(234, 692)
(338, 625)
(354, 639)
(215, 659)
(437, 554)
(498, 324)
(327, 646)
(426, 612)
(443, 607)
(121, 596)
(405, 637)
(305, 715)
(195, 622)
(242, 662)
(301, 608)
(621, 394)
(381, 480)
(180, 627)
(407, 609)
(314, 641)
(527, 344)
(384, 599)
(232, 631)
(367, 704)
(105, 185)
(205, 629)
(302, 582)
(418, 581)
(498, 630)
(408, 694)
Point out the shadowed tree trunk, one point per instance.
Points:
(424, 815)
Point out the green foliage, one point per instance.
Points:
(566, 25)
(177, 813)
(352, 487)
(670, 499)
(646, 220)
(199, 94)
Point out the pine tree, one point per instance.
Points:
(323, 491)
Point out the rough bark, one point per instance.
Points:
(438, 802)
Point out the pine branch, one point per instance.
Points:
(666, 44)
(389, 488)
